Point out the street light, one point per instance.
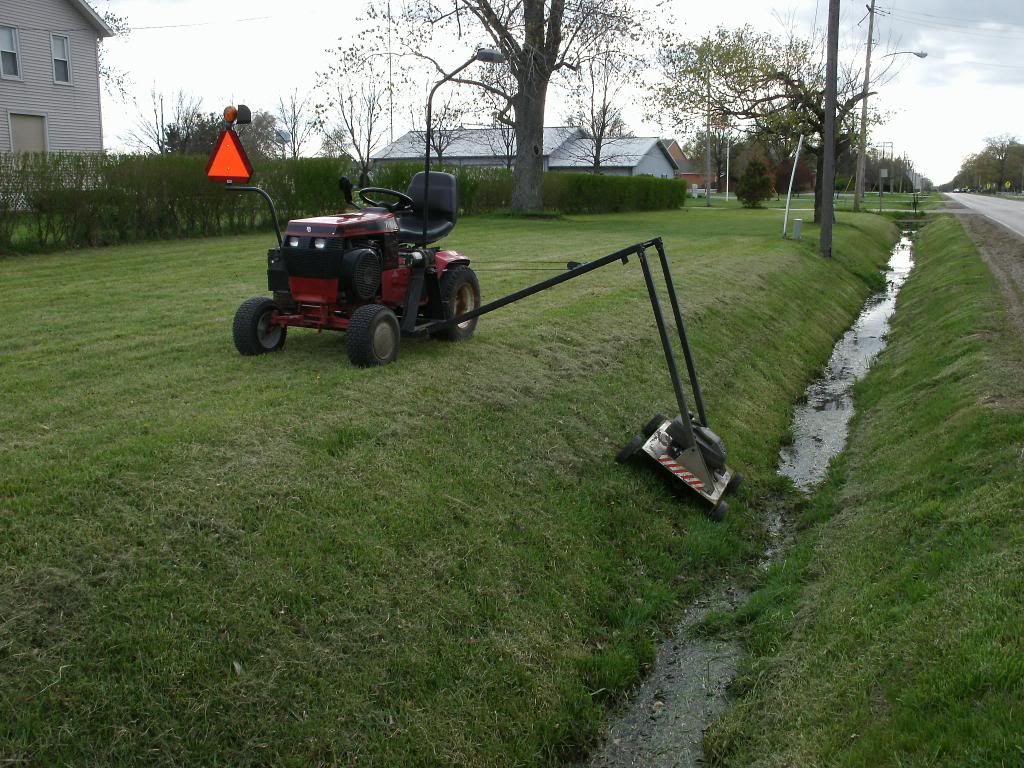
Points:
(486, 55)
(919, 54)
(858, 191)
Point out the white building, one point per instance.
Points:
(49, 76)
(565, 149)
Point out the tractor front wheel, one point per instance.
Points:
(254, 329)
(373, 335)
(460, 293)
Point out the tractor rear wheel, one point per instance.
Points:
(373, 335)
(460, 293)
(254, 330)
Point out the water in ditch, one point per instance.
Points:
(821, 423)
(664, 723)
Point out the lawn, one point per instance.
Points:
(802, 203)
(891, 634)
(286, 560)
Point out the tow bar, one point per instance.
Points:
(684, 447)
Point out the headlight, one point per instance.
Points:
(293, 242)
(320, 243)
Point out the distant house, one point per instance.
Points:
(687, 169)
(49, 76)
(565, 149)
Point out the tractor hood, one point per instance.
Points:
(368, 222)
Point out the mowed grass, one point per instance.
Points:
(212, 559)
(802, 204)
(891, 635)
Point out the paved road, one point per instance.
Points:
(1009, 213)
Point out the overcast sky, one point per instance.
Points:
(938, 109)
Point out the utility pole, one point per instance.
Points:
(707, 144)
(828, 180)
(858, 191)
(728, 151)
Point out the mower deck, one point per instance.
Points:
(685, 467)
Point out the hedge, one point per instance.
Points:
(69, 200)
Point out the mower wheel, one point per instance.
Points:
(629, 451)
(734, 483)
(652, 426)
(717, 513)
(460, 293)
(253, 330)
(373, 335)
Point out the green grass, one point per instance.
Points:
(210, 559)
(803, 203)
(891, 634)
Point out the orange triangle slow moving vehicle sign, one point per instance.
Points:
(229, 161)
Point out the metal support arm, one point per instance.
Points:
(273, 210)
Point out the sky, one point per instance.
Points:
(937, 109)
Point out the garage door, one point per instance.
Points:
(28, 133)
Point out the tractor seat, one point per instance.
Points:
(442, 210)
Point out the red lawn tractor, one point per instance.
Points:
(371, 272)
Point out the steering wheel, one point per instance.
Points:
(402, 201)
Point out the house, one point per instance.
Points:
(565, 149)
(687, 169)
(49, 76)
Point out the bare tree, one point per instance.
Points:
(501, 141)
(296, 116)
(353, 117)
(114, 79)
(160, 132)
(447, 125)
(596, 107)
(538, 39)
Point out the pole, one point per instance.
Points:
(426, 163)
(792, 176)
(707, 146)
(858, 191)
(728, 151)
(390, 78)
(828, 181)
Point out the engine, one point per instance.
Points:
(333, 260)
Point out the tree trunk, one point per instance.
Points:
(528, 173)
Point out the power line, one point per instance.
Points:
(940, 26)
(149, 27)
(939, 16)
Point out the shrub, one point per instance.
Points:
(72, 200)
(755, 185)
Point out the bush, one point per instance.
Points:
(590, 193)
(755, 185)
(65, 200)
(73, 200)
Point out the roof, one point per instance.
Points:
(469, 142)
(615, 153)
(92, 17)
(564, 146)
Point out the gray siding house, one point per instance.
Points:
(49, 76)
(565, 149)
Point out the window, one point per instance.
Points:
(61, 58)
(28, 133)
(9, 64)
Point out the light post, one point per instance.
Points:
(858, 187)
(487, 55)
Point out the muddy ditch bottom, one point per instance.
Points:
(663, 726)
